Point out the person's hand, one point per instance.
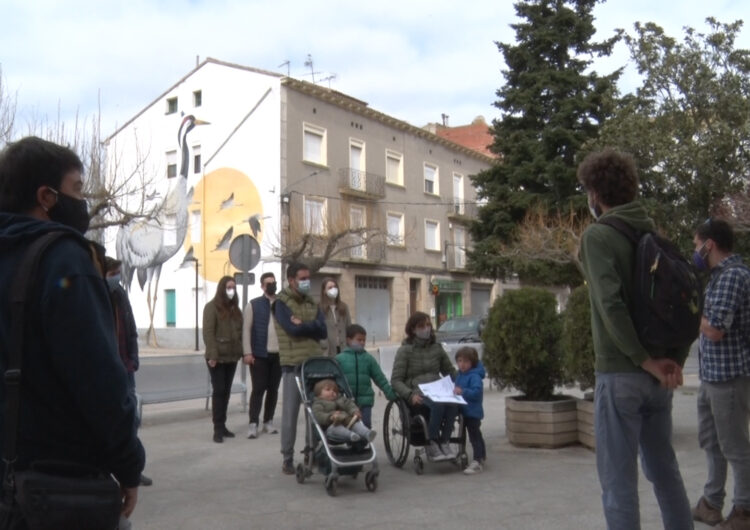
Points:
(129, 500)
(248, 359)
(416, 399)
(457, 390)
(296, 321)
(668, 372)
(212, 363)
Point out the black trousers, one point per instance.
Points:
(222, 376)
(475, 437)
(265, 374)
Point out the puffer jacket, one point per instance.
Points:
(223, 336)
(322, 410)
(360, 368)
(472, 390)
(421, 361)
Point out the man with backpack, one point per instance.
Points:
(73, 401)
(634, 381)
(724, 394)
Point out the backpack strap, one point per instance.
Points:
(621, 226)
(20, 291)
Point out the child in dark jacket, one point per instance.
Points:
(338, 414)
(361, 369)
(469, 385)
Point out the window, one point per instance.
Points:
(357, 220)
(394, 167)
(314, 146)
(431, 179)
(197, 98)
(315, 215)
(197, 159)
(169, 230)
(171, 105)
(195, 226)
(431, 235)
(395, 227)
(458, 193)
(357, 164)
(171, 164)
(459, 247)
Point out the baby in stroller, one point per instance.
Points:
(338, 414)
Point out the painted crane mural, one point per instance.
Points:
(144, 246)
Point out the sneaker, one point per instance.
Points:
(447, 450)
(354, 437)
(473, 468)
(252, 432)
(227, 433)
(738, 519)
(433, 450)
(371, 436)
(145, 481)
(705, 513)
(288, 467)
(269, 428)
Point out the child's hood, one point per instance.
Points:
(478, 370)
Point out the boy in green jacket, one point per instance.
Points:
(360, 369)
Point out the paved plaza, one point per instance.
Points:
(238, 484)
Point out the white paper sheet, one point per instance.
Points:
(441, 391)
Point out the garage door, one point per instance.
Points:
(373, 304)
(480, 299)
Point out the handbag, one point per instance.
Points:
(58, 495)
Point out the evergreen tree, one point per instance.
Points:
(551, 104)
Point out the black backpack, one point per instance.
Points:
(667, 302)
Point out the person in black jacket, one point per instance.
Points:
(75, 403)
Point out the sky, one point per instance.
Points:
(412, 59)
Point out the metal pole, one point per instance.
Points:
(197, 348)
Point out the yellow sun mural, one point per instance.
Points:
(225, 204)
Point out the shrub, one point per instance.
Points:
(522, 343)
(577, 343)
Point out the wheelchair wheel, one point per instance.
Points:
(458, 438)
(396, 432)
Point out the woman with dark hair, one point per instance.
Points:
(222, 333)
(421, 359)
(337, 316)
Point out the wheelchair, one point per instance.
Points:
(405, 426)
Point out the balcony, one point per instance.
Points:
(454, 257)
(372, 251)
(361, 184)
(462, 212)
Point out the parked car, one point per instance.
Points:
(467, 328)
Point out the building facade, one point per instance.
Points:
(241, 154)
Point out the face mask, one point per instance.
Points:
(271, 289)
(357, 346)
(70, 211)
(113, 281)
(230, 293)
(595, 210)
(699, 260)
(303, 286)
(332, 293)
(423, 333)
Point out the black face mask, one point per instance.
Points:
(271, 289)
(70, 211)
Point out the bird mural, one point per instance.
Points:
(254, 221)
(145, 245)
(188, 260)
(223, 243)
(227, 203)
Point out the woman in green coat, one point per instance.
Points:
(222, 334)
(421, 359)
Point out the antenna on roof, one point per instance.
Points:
(309, 62)
(330, 78)
(445, 119)
(285, 63)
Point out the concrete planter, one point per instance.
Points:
(547, 424)
(586, 435)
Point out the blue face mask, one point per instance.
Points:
(303, 286)
(699, 260)
(113, 281)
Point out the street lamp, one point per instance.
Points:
(197, 346)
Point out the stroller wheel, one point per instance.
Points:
(418, 465)
(463, 460)
(300, 472)
(332, 484)
(371, 480)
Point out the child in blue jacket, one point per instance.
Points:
(469, 385)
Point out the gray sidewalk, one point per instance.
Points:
(238, 484)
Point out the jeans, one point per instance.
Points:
(291, 401)
(442, 418)
(222, 376)
(265, 374)
(632, 414)
(366, 416)
(475, 437)
(723, 413)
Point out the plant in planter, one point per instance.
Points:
(522, 350)
(578, 358)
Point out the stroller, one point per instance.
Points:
(332, 459)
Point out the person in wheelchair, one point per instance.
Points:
(338, 414)
(421, 359)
